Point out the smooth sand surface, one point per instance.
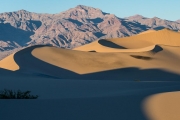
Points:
(79, 99)
(161, 37)
(164, 106)
(106, 79)
(83, 62)
(110, 55)
(90, 62)
(9, 63)
(130, 45)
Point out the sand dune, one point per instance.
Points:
(89, 62)
(101, 46)
(90, 71)
(36, 60)
(164, 106)
(123, 45)
(111, 54)
(9, 63)
(161, 37)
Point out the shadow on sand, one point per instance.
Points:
(123, 105)
(110, 44)
(30, 64)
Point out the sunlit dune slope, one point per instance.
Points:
(163, 106)
(83, 62)
(150, 56)
(105, 55)
(80, 62)
(143, 40)
(107, 46)
(9, 63)
(88, 62)
(161, 37)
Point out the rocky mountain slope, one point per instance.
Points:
(155, 22)
(69, 29)
(178, 21)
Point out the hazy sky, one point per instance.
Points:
(165, 9)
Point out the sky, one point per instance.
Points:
(164, 9)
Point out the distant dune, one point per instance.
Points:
(144, 39)
(150, 50)
(151, 57)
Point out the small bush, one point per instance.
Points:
(9, 94)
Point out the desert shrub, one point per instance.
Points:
(10, 94)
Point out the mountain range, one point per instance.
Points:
(72, 28)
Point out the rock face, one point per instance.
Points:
(74, 27)
(155, 22)
(178, 21)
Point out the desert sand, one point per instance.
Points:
(120, 78)
(9, 63)
(164, 106)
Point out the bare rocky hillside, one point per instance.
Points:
(74, 27)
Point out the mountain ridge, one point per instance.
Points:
(71, 28)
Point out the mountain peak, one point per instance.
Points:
(155, 17)
(178, 21)
(82, 11)
(85, 7)
(74, 27)
(135, 17)
(23, 11)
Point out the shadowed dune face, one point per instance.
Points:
(108, 59)
(161, 37)
(141, 57)
(157, 49)
(105, 45)
(133, 43)
(67, 64)
(75, 78)
(110, 44)
(85, 62)
(92, 51)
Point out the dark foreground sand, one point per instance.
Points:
(81, 99)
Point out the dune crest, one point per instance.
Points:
(99, 56)
(161, 37)
(148, 31)
(106, 46)
(77, 61)
(143, 40)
